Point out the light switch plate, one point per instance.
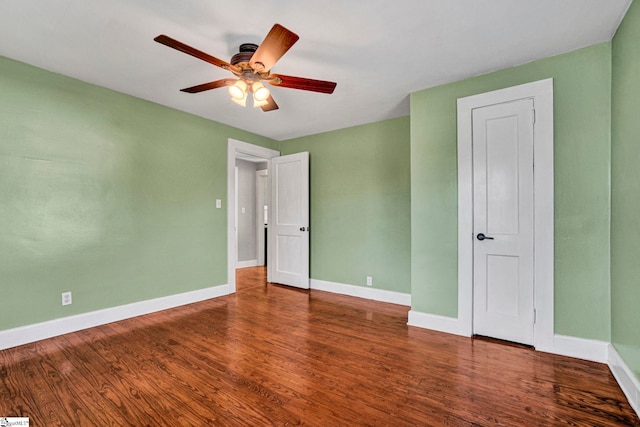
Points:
(66, 298)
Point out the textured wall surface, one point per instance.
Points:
(625, 227)
(104, 195)
(360, 206)
(246, 211)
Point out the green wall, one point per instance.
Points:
(625, 226)
(360, 204)
(582, 151)
(105, 195)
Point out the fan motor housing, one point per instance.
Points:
(248, 47)
(241, 60)
(245, 53)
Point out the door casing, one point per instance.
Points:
(262, 199)
(542, 94)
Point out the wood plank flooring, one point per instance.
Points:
(272, 355)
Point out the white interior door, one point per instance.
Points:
(288, 254)
(503, 221)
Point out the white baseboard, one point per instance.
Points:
(362, 292)
(626, 379)
(579, 348)
(246, 264)
(39, 331)
(435, 322)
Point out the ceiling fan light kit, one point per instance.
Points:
(239, 93)
(257, 103)
(242, 101)
(260, 92)
(238, 90)
(252, 66)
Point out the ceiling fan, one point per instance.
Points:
(252, 66)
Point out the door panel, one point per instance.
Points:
(503, 211)
(289, 226)
(288, 245)
(502, 175)
(501, 272)
(288, 190)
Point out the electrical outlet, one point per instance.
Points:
(369, 281)
(66, 298)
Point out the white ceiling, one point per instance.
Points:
(378, 51)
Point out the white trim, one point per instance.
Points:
(542, 94)
(39, 331)
(235, 205)
(261, 201)
(450, 325)
(579, 348)
(626, 379)
(235, 147)
(383, 295)
(245, 264)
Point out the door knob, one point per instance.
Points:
(304, 229)
(481, 237)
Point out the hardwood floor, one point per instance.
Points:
(272, 355)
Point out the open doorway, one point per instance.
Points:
(245, 217)
(251, 205)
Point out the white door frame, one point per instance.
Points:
(235, 147)
(542, 94)
(261, 200)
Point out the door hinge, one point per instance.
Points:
(535, 315)
(533, 117)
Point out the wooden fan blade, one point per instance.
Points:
(302, 83)
(175, 44)
(271, 105)
(209, 86)
(277, 43)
